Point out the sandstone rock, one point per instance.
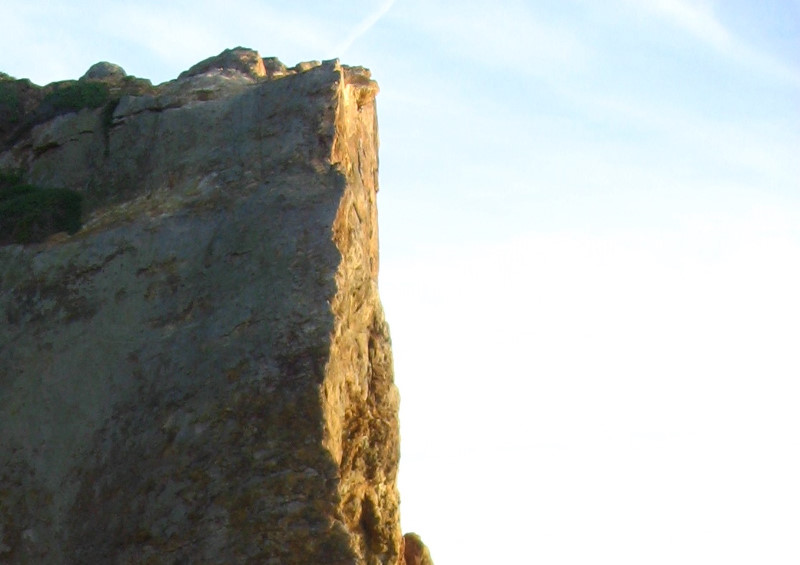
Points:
(274, 68)
(305, 66)
(203, 373)
(240, 59)
(414, 551)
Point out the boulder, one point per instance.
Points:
(240, 59)
(414, 551)
(104, 71)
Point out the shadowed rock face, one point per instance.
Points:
(203, 372)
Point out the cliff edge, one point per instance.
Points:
(200, 371)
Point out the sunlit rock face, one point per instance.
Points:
(202, 373)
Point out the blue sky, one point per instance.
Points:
(590, 234)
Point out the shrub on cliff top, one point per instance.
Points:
(76, 96)
(10, 107)
(28, 214)
(8, 92)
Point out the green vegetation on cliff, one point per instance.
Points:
(28, 214)
(10, 107)
(9, 178)
(76, 96)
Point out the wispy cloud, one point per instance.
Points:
(363, 27)
(698, 18)
(754, 148)
(511, 36)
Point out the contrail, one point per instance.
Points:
(363, 27)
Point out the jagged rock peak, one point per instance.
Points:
(274, 67)
(240, 59)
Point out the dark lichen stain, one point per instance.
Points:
(38, 298)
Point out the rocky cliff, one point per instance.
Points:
(199, 370)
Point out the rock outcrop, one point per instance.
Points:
(414, 551)
(202, 373)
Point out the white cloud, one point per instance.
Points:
(507, 35)
(699, 18)
(762, 148)
(696, 17)
(363, 27)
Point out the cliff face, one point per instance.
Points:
(202, 372)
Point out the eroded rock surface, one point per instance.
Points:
(203, 372)
(415, 552)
